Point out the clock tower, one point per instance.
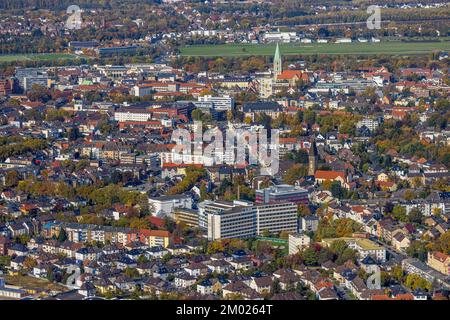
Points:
(312, 159)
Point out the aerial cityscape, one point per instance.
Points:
(224, 150)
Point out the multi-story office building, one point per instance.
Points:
(166, 205)
(242, 219)
(29, 82)
(187, 216)
(29, 76)
(132, 114)
(237, 222)
(282, 193)
(214, 207)
(224, 103)
(276, 217)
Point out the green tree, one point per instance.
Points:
(11, 179)
(399, 213)
(62, 236)
(415, 216)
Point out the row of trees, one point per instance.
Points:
(14, 146)
(193, 175)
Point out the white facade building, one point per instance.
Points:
(224, 103)
(298, 241)
(132, 115)
(166, 205)
(242, 219)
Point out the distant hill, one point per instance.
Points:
(64, 4)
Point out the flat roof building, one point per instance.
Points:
(297, 241)
(282, 193)
(242, 219)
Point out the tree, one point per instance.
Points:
(300, 156)
(197, 114)
(230, 115)
(338, 247)
(74, 134)
(347, 254)
(142, 259)
(418, 249)
(4, 261)
(29, 263)
(415, 216)
(345, 227)
(62, 236)
(336, 190)
(215, 246)
(397, 273)
(131, 272)
(11, 179)
(409, 195)
(276, 288)
(284, 235)
(443, 243)
(310, 256)
(303, 210)
(193, 175)
(38, 93)
(294, 173)
(414, 281)
(399, 213)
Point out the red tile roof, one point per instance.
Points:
(329, 175)
(154, 233)
(157, 221)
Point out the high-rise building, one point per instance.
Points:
(276, 217)
(242, 219)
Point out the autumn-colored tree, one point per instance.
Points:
(414, 281)
(303, 210)
(29, 263)
(443, 243)
(294, 173)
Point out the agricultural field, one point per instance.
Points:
(394, 48)
(36, 57)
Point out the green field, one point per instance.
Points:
(397, 48)
(36, 57)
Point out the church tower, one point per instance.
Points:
(312, 159)
(277, 65)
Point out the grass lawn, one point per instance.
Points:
(36, 57)
(31, 282)
(395, 48)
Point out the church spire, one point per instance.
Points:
(312, 159)
(277, 66)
